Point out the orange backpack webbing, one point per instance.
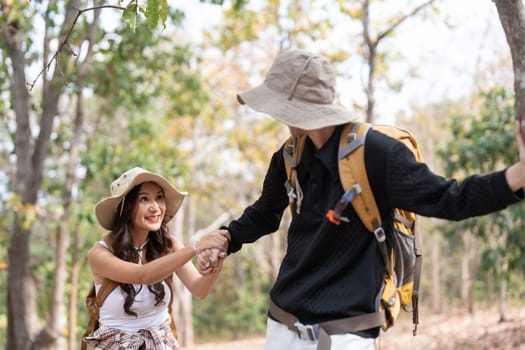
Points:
(403, 261)
(94, 302)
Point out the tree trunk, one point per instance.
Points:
(468, 271)
(371, 46)
(186, 297)
(182, 301)
(490, 287)
(67, 194)
(176, 227)
(470, 264)
(512, 17)
(73, 298)
(435, 251)
(503, 291)
(22, 319)
(49, 337)
(23, 323)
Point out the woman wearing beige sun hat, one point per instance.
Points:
(106, 210)
(140, 255)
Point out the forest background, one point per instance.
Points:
(89, 89)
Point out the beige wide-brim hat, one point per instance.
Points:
(299, 90)
(107, 209)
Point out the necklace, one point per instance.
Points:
(140, 251)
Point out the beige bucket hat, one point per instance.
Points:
(106, 210)
(299, 90)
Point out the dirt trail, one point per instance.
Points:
(457, 331)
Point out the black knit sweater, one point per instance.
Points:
(335, 271)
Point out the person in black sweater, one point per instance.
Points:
(332, 272)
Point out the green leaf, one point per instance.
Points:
(164, 12)
(152, 13)
(130, 17)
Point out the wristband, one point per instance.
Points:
(194, 246)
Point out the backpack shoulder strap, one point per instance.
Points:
(105, 289)
(95, 300)
(292, 152)
(353, 175)
(94, 307)
(107, 285)
(352, 152)
(354, 179)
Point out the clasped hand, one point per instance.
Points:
(211, 251)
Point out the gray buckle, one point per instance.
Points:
(290, 191)
(307, 331)
(380, 234)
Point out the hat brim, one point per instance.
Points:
(295, 112)
(106, 209)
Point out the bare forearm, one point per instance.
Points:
(204, 285)
(104, 264)
(158, 269)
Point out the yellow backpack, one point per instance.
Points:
(403, 262)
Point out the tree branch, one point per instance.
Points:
(64, 42)
(402, 19)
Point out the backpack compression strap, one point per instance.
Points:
(354, 178)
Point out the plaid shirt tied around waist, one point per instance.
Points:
(155, 338)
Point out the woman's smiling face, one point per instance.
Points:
(149, 208)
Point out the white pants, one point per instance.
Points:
(279, 337)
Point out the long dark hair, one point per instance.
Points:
(122, 245)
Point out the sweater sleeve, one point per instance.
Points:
(264, 215)
(413, 186)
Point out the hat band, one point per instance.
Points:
(305, 66)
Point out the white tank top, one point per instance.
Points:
(112, 313)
